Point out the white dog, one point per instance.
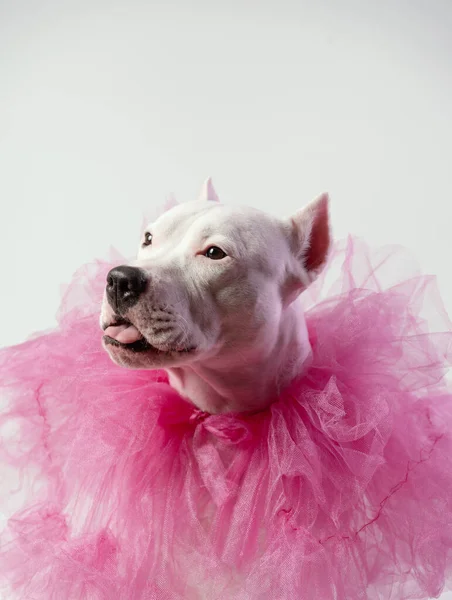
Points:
(210, 299)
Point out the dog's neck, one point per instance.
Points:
(238, 385)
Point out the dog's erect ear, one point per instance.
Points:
(208, 193)
(311, 236)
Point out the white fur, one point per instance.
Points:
(238, 313)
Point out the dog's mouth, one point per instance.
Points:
(123, 334)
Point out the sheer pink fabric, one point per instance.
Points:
(341, 490)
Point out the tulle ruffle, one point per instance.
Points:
(116, 488)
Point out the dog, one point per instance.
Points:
(211, 299)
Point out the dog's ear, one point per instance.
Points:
(208, 193)
(311, 236)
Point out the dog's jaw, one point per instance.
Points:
(217, 386)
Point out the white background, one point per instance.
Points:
(106, 107)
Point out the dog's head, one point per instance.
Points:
(211, 282)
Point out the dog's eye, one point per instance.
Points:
(147, 239)
(215, 253)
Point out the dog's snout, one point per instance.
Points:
(124, 287)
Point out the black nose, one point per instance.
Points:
(124, 287)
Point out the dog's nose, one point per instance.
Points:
(124, 287)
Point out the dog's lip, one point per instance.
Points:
(143, 345)
(116, 322)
